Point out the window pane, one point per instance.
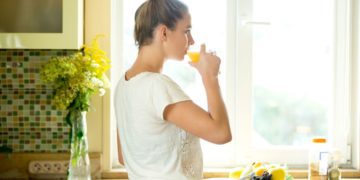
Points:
(292, 70)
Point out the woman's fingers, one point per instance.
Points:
(202, 48)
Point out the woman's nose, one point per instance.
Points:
(191, 40)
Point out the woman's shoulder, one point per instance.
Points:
(162, 79)
(153, 77)
(148, 79)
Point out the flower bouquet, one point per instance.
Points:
(75, 78)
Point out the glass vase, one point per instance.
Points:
(79, 165)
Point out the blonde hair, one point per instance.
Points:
(154, 12)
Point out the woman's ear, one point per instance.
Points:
(163, 32)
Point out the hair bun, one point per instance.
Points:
(154, 12)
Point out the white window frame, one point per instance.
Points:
(239, 85)
(355, 104)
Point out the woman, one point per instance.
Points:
(158, 125)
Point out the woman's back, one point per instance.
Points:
(151, 146)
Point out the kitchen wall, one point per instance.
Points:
(98, 118)
(28, 121)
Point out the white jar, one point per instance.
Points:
(318, 159)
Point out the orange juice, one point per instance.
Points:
(194, 56)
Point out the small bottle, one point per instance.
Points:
(334, 170)
(318, 159)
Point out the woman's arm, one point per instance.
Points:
(213, 125)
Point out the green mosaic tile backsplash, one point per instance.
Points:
(28, 121)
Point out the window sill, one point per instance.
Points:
(223, 173)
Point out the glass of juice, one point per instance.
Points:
(194, 53)
(194, 56)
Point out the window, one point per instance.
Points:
(292, 71)
(292, 78)
(286, 75)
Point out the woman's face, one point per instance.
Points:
(179, 39)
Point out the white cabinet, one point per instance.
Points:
(41, 24)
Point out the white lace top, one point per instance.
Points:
(152, 147)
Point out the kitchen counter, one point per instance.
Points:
(218, 174)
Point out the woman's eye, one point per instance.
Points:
(188, 31)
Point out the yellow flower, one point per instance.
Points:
(76, 77)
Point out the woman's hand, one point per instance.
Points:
(209, 64)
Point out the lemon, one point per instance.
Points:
(236, 173)
(259, 171)
(277, 173)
